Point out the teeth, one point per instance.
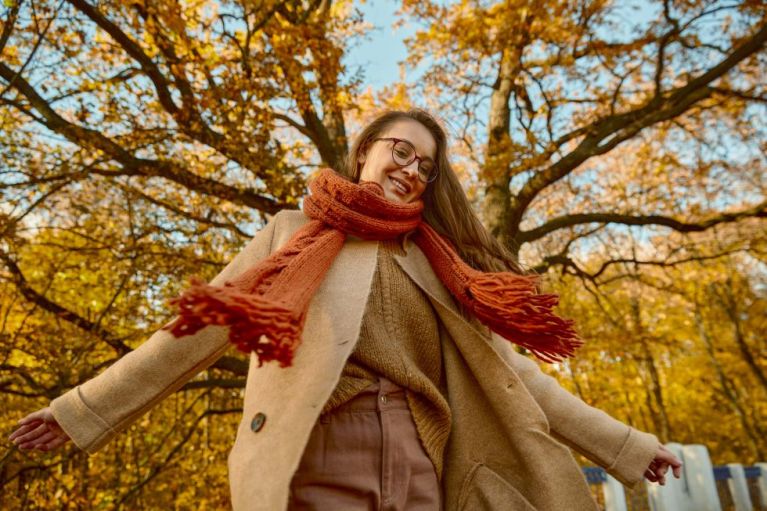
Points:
(399, 185)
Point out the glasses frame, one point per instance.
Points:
(415, 157)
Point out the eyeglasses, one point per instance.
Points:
(403, 154)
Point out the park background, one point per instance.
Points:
(618, 147)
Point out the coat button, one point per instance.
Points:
(258, 422)
(384, 399)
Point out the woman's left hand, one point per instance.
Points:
(664, 458)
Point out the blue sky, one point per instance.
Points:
(385, 47)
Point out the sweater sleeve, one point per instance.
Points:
(623, 451)
(95, 411)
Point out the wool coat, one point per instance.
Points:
(511, 424)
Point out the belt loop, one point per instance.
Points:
(382, 393)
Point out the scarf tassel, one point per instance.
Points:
(509, 305)
(257, 323)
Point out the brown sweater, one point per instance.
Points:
(399, 339)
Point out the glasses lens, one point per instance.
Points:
(403, 153)
(427, 171)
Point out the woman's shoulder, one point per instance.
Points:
(286, 222)
(289, 217)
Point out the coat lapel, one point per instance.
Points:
(416, 265)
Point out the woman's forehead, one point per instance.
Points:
(415, 133)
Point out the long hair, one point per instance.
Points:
(446, 207)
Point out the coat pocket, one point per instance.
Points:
(483, 489)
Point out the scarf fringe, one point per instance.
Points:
(509, 305)
(256, 323)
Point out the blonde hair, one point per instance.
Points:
(446, 207)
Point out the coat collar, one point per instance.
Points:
(418, 268)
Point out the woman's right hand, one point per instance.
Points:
(39, 430)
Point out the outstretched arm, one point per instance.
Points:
(93, 412)
(625, 452)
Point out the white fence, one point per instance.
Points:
(701, 487)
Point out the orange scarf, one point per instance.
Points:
(266, 306)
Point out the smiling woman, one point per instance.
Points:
(379, 323)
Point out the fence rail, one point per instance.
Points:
(702, 487)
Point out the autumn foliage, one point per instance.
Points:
(617, 148)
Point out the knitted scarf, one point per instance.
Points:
(265, 307)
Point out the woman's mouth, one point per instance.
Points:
(399, 186)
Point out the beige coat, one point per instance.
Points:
(511, 423)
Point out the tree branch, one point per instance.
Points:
(92, 139)
(758, 211)
(187, 116)
(44, 303)
(604, 134)
(134, 50)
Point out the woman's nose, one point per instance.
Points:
(412, 169)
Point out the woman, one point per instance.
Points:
(397, 396)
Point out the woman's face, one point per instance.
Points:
(400, 184)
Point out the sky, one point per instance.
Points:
(385, 46)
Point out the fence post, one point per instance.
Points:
(739, 488)
(761, 483)
(615, 496)
(698, 474)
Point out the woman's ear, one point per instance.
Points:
(362, 152)
(360, 160)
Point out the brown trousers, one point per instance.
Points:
(366, 455)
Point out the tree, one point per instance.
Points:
(145, 141)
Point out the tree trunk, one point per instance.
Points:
(498, 203)
(728, 387)
(656, 390)
(730, 305)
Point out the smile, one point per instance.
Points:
(399, 186)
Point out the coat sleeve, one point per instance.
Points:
(94, 412)
(623, 451)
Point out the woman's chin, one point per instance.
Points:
(396, 198)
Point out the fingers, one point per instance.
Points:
(23, 430)
(656, 472)
(665, 459)
(36, 434)
(39, 430)
(41, 414)
(48, 440)
(57, 442)
(30, 432)
(44, 439)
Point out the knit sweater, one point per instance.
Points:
(399, 339)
